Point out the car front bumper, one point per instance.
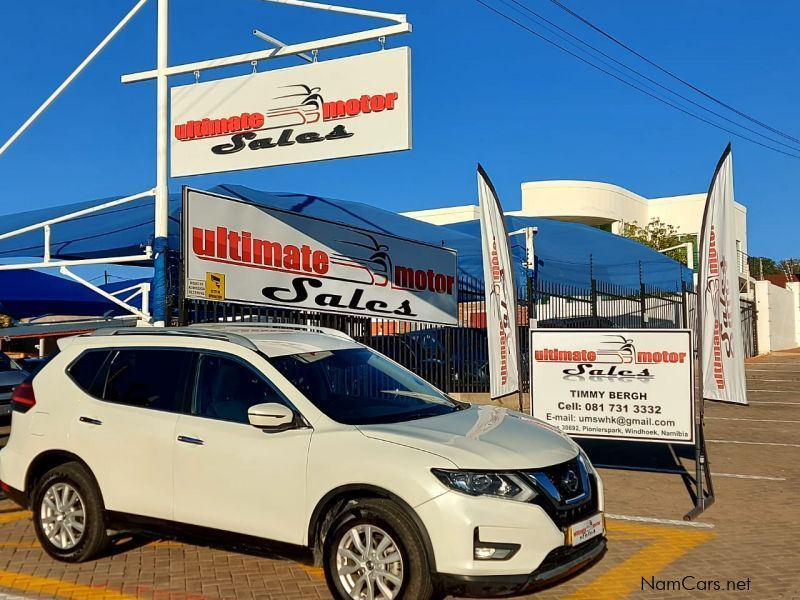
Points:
(561, 563)
(454, 522)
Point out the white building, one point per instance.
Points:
(602, 205)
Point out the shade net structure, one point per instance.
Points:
(26, 293)
(568, 253)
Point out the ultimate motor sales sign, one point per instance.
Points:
(631, 384)
(236, 251)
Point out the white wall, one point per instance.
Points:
(795, 289)
(686, 213)
(778, 317)
(597, 203)
(445, 216)
(584, 201)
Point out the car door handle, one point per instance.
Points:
(190, 440)
(90, 420)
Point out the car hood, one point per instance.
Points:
(481, 437)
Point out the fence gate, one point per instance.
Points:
(749, 328)
(456, 359)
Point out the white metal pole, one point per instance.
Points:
(162, 183)
(76, 214)
(396, 17)
(276, 42)
(104, 294)
(112, 34)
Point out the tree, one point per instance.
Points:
(658, 235)
(761, 265)
(790, 265)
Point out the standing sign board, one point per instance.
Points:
(634, 384)
(239, 252)
(333, 109)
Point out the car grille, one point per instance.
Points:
(556, 474)
(565, 554)
(565, 506)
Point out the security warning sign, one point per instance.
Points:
(631, 384)
(215, 286)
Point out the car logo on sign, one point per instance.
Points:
(570, 481)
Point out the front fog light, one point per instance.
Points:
(492, 553)
(492, 550)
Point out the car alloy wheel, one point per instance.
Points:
(62, 516)
(369, 564)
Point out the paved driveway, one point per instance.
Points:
(747, 544)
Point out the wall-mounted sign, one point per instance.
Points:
(331, 109)
(235, 251)
(630, 384)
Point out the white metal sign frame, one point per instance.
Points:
(157, 251)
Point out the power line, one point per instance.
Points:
(671, 74)
(633, 85)
(636, 72)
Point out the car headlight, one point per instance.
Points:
(586, 462)
(480, 483)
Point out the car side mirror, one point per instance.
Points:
(271, 417)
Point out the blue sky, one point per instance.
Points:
(484, 91)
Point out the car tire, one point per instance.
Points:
(397, 558)
(68, 514)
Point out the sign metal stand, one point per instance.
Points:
(704, 486)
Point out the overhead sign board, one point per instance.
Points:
(236, 251)
(331, 109)
(629, 384)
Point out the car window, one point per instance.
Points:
(357, 386)
(86, 371)
(149, 378)
(226, 388)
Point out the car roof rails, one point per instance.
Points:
(224, 336)
(270, 325)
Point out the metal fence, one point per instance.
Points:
(455, 359)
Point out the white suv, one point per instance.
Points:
(302, 436)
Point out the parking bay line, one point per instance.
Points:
(767, 402)
(685, 472)
(751, 420)
(780, 362)
(58, 588)
(16, 515)
(667, 545)
(754, 443)
(656, 520)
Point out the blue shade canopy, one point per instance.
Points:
(564, 250)
(27, 293)
(572, 253)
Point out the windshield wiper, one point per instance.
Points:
(421, 396)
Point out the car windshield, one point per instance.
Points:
(6, 364)
(357, 386)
